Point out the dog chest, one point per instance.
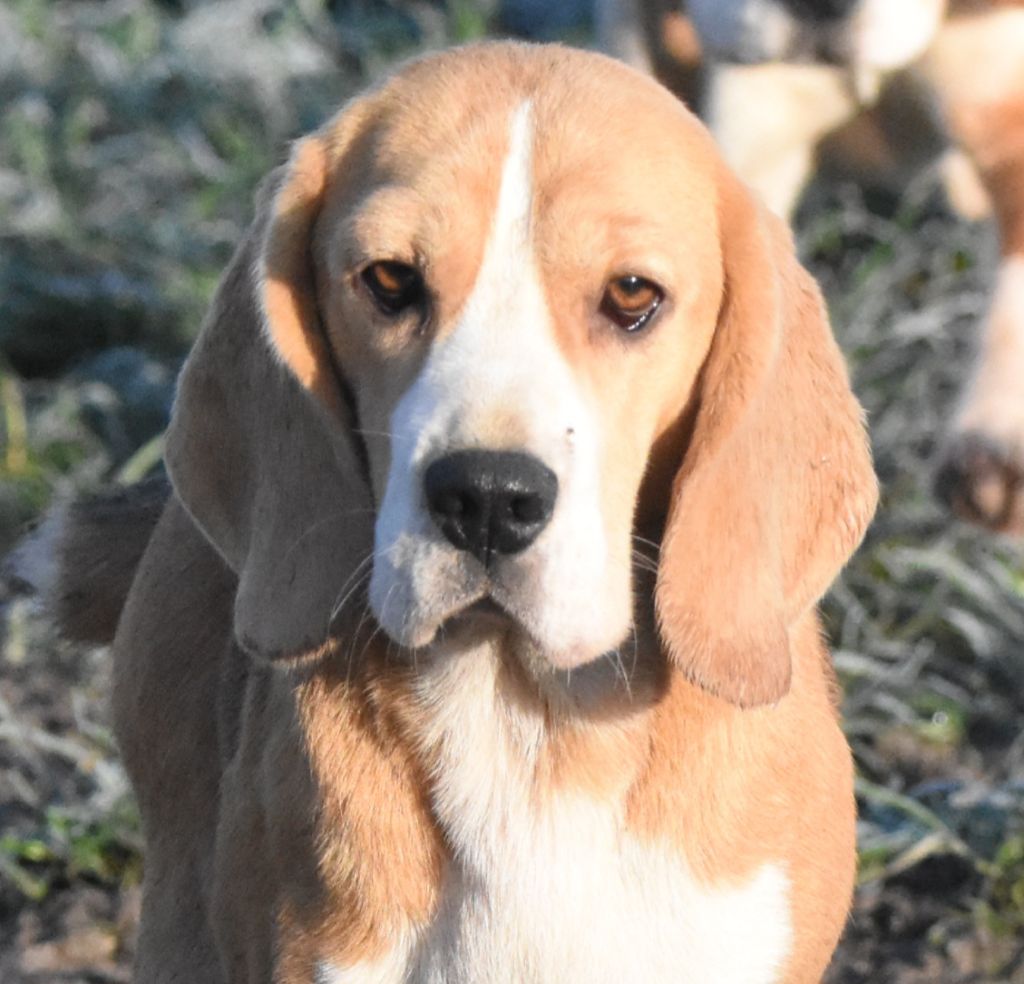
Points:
(548, 887)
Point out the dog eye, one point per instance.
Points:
(630, 301)
(395, 286)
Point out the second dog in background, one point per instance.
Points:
(879, 89)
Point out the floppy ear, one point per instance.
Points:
(776, 486)
(260, 450)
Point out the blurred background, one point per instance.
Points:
(133, 134)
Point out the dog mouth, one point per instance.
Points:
(485, 620)
(429, 603)
(485, 614)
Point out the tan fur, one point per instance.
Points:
(753, 811)
(786, 520)
(288, 799)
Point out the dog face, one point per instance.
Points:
(555, 299)
(495, 293)
(866, 35)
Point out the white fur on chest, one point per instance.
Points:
(553, 889)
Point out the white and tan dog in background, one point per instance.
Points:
(879, 88)
(476, 641)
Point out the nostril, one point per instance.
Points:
(528, 508)
(451, 504)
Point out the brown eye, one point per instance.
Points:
(630, 301)
(395, 286)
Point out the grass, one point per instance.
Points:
(132, 139)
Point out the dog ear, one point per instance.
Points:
(260, 448)
(776, 486)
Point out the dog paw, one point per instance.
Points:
(981, 479)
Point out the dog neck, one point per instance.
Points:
(553, 731)
(487, 786)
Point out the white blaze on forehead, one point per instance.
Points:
(508, 257)
(503, 333)
(498, 381)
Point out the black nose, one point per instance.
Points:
(821, 10)
(490, 502)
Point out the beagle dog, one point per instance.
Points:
(877, 88)
(476, 641)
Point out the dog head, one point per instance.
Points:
(502, 314)
(866, 35)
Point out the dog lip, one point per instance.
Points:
(487, 604)
(484, 609)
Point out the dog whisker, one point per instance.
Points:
(377, 631)
(656, 547)
(350, 660)
(375, 433)
(325, 521)
(378, 628)
(615, 656)
(359, 572)
(359, 576)
(384, 608)
(644, 563)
